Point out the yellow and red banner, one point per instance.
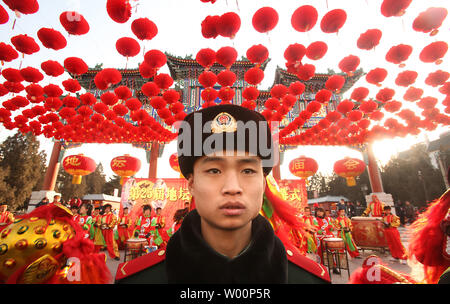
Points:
(294, 191)
(169, 194)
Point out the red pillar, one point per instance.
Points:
(153, 160)
(374, 172)
(53, 167)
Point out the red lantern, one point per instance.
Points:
(52, 39)
(335, 83)
(127, 47)
(333, 21)
(345, 106)
(226, 78)
(304, 18)
(206, 57)
(30, 74)
(376, 76)
(349, 168)
(393, 106)
(437, 78)
(119, 10)
(74, 23)
(150, 89)
(228, 25)
(434, 52)
(359, 94)
(163, 81)
(306, 72)
(144, 29)
(12, 75)
(278, 91)
(23, 6)
(209, 26)
(257, 54)
(78, 166)
(155, 59)
(7, 52)
(52, 68)
(207, 79)
(107, 77)
(323, 96)
(369, 39)
(226, 56)
(146, 71)
(303, 167)
(250, 93)
(71, 85)
(316, 50)
(265, 19)
(430, 20)
(399, 53)
(296, 88)
(349, 64)
(25, 44)
(394, 8)
(384, 95)
(368, 106)
(75, 65)
(125, 166)
(4, 17)
(406, 78)
(88, 99)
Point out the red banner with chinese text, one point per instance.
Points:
(294, 191)
(169, 194)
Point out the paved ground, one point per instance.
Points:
(336, 279)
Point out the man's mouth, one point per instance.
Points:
(232, 208)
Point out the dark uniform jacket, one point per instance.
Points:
(190, 260)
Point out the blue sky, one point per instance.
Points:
(179, 33)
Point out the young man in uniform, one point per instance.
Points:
(225, 239)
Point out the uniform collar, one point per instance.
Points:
(189, 259)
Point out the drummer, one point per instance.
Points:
(123, 228)
(6, 217)
(345, 227)
(375, 207)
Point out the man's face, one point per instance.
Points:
(96, 212)
(307, 212)
(228, 190)
(341, 212)
(158, 211)
(147, 213)
(107, 209)
(83, 209)
(387, 211)
(3, 208)
(327, 213)
(125, 211)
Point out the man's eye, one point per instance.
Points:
(248, 171)
(213, 171)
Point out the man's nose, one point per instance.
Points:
(232, 184)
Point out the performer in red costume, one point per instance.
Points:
(123, 228)
(324, 230)
(107, 223)
(311, 223)
(344, 226)
(375, 207)
(145, 225)
(391, 222)
(6, 217)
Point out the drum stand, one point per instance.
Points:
(332, 256)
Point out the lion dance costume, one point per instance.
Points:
(47, 246)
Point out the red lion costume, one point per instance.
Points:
(430, 236)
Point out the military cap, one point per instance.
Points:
(224, 128)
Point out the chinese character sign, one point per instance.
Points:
(294, 191)
(169, 194)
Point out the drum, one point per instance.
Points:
(334, 243)
(135, 247)
(368, 232)
(136, 244)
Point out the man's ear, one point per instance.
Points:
(190, 180)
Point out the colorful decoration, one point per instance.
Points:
(303, 167)
(349, 168)
(125, 166)
(78, 166)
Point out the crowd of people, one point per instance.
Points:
(111, 232)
